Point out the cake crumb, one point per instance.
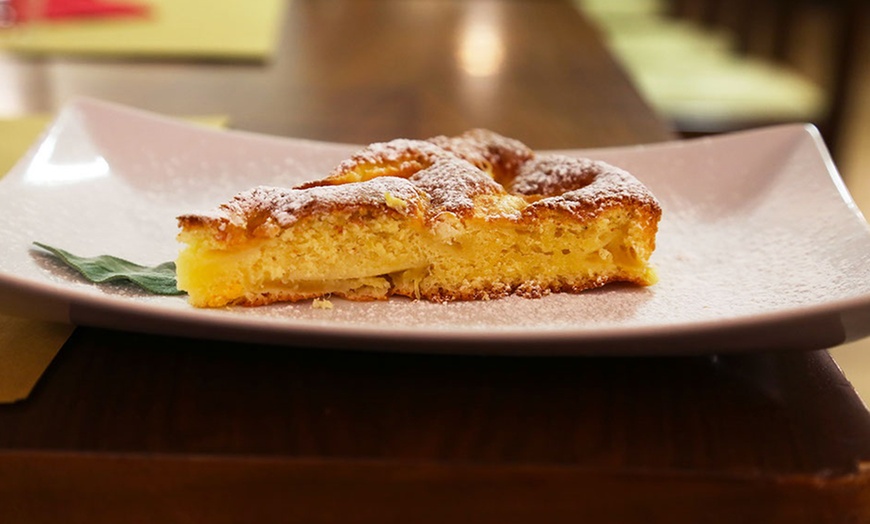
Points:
(321, 303)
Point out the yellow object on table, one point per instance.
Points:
(217, 29)
(16, 135)
(27, 347)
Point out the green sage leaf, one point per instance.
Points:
(159, 280)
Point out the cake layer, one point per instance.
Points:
(417, 219)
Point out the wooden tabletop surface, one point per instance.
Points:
(142, 428)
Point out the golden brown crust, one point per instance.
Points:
(422, 172)
(263, 211)
(582, 186)
(489, 151)
(400, 158)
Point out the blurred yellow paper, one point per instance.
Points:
(16, 135)
(27, 347)
(216, 29)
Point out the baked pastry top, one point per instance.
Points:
(477, 216)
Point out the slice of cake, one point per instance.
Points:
(478, 216)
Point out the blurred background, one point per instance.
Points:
(712, 66)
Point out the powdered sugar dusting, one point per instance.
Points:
(578, 180)
(482, 147)
(286, 206)
(452, 185)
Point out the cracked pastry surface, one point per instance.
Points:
(473, 217)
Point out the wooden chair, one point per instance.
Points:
(767, 32)
(714, 66)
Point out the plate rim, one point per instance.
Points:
(83, 302)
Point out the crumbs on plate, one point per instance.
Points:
(321, 303)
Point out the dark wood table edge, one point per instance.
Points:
(88, 487)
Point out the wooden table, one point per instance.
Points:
(140, 428)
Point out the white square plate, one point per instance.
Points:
(760, 246)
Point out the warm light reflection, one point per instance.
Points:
(48, 170)
(12, 90)
(481, 49)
